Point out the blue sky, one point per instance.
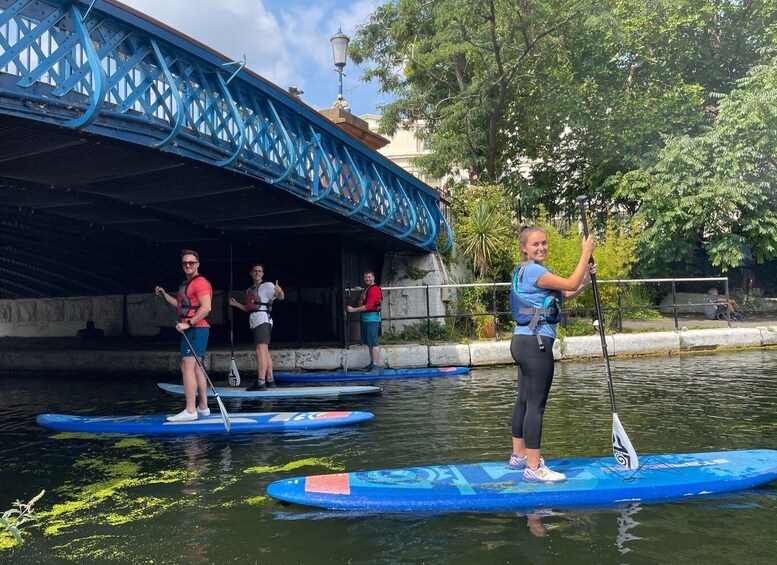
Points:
(285, 41)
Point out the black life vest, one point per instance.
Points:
(363, 298)
(186, 309)
(526, 314)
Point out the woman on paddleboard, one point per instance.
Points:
(535, 298)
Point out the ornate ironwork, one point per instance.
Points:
(97, 67)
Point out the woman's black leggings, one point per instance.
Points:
(535, 375)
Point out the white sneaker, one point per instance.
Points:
(542, 475)
(183, 417)
(517, 462)
(203, 412)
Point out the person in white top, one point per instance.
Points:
(258, 304)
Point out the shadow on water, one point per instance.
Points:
(132, 499)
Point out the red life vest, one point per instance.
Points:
(187, 306)
(363, 298)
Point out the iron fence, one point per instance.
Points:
(487, 305)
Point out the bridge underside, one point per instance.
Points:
(123, 141)
(73, 204)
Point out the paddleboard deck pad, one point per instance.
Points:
(282, 392)
(323, 376)
(213, 424)
(486, 487)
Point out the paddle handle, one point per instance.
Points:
(598, 305)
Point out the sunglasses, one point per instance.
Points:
(189, 263)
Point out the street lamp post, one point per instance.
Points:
(340, 43)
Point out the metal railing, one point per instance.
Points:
(427, 308)
(113, 72)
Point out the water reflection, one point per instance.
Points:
(202, 499)
(626, 523)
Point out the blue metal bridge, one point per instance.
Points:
(116, 131)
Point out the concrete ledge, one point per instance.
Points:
(245, 361)
(490, 353)
(768, 335)
(477, 354)
(694, 340)
(453, 354)
(645, 343)
(282, 360)
(585, 346)
(322, 359)
(557, 355)
(358, 357)
(402, 356)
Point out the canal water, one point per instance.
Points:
(202, 499)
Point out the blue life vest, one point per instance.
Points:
(526, 313)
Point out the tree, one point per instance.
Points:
(484, 230)
(484, 234)
(626, 77)
(716, 189)
(454, 66)
(583, 90)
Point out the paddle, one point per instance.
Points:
(347, 320)
(234, 374)
(222, 408)
(621, 446)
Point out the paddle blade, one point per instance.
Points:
(234, 374)
(224, 414)
(621, 445)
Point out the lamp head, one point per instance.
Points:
(340, 43)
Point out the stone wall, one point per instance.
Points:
(405, 270)
(63, 317)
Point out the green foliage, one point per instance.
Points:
(715, 189)
(585, 91)
(414, 273)
(635, 296)
(615, 255)
(575, 327)
(455, 67)
(623, 77)
(469, 300)
(423, 333)
(12, 520)
(484, 229)
(484, 235)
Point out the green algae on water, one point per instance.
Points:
(327, 463)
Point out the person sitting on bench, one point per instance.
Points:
(720, 307)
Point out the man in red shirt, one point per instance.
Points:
(370, 302)
(193, 302)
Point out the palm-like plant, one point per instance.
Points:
(484, 234)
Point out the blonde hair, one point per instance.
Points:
(523, 237)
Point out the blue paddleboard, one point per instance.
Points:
(324, 377)
(213, 424)
(282, 392)
(485, 487)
